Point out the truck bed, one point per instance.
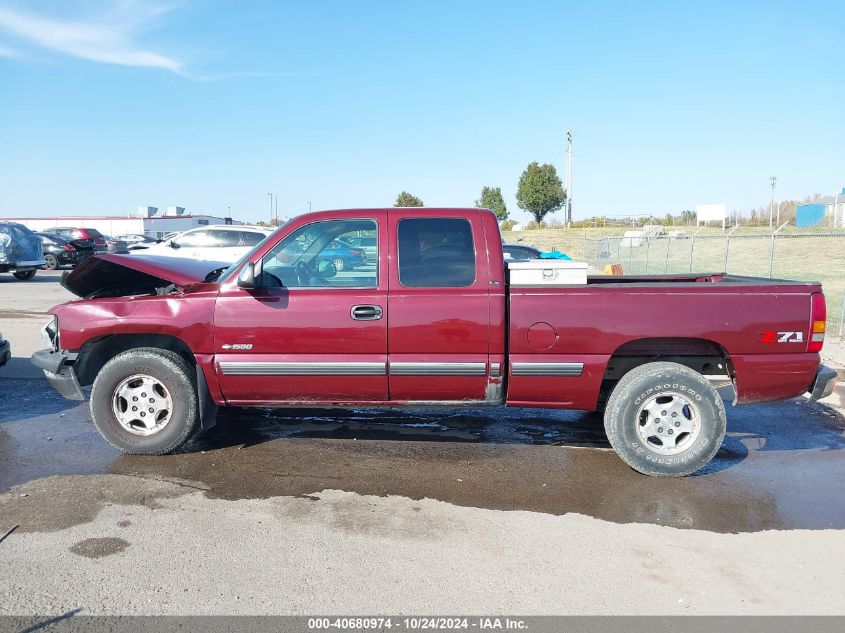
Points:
(755, 327)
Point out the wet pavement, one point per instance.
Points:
(781, 466)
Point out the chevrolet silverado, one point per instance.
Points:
(431, 319)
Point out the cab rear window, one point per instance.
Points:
(436, 253)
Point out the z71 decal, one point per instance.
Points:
(782, 337)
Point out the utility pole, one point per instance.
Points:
(309, 206)
(277, 210)
(270, 195)
(772, 180)
(568, 178)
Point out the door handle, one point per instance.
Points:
(366, 313)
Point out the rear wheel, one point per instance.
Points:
(24, 275)
(144, 401)
(52, 262)
(339, 264)
(665, 419)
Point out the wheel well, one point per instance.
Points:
(704, 356)
(97, 352)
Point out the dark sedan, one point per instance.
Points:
(60, 251)
(520, 252)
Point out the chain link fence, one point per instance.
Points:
(804, 257)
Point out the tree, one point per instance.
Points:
(491, 198)
(406, 199)
(688, 217)
(540, 191)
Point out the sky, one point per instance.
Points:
(107, 105)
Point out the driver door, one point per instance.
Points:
(311, 333)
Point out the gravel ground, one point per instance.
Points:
(165, 548)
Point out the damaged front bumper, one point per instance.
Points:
(824, 383)
(59, 374)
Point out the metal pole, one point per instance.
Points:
(691, 249)
(666, 264)
(309, 206)
(568, 178)
(772, 180)
(270, 195)
(276, 214)
(647, 249)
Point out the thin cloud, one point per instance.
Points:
(109, 40)
(8, 52)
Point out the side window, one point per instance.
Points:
(224, 238)
(321, 255)
(194, 239)
(436, 253)
(251, 238)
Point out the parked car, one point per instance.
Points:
(79, 233)
(219, 243)
(343, 255)
(164, 342)
(520, 252)
(137, 241)
(115, 245)
(60, 252)
(20, 251)
(367, 243)
(5, 350)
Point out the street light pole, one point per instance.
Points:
(772, 180)
(276, 213)
(270, 195)
(309, 206)
(568, 178)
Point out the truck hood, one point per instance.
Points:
(123, 275)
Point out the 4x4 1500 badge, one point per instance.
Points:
(236, 346)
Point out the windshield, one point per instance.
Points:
(231, 269)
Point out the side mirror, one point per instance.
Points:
(174, 244)
(246, 278)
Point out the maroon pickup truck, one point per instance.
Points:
(428, 319)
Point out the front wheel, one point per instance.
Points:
(144, 401)
(339, 264)
(24, 275)
(665, 419)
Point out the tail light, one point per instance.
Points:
(68, 247)
(356, 252)
(818, 318)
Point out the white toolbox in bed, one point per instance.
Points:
(547, 272)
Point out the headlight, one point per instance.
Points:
(50, 333)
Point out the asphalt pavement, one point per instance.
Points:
(406, 511)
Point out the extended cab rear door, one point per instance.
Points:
(439, 304)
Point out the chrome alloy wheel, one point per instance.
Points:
(142, 404)
(668, 423)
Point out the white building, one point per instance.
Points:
(148, 221)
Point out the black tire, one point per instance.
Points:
(24, 275)
(673, 386)
(52, 262)
(171, 371)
